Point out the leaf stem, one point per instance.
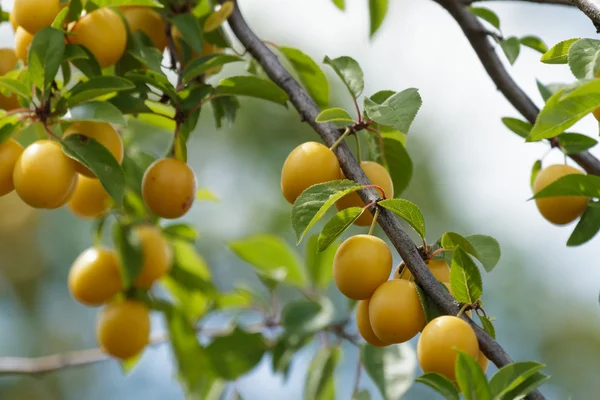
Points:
(340, 139)
(462, 310)
(357, 375)
(435, 253)
(18, 111)
(357, 109)
(374, 223)
(52, 134)
(379, 188)
(358, 155)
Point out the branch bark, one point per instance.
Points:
(591, 8)
(308, 111)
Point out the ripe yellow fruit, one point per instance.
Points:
(483, 361)
(563, 209)
(396, 312)
(308, 164)
(379, 176)
(169, 188)
(158, 255)
(364, 324)
(103, 33)
(439, 269)
(360, 265)
(90, 199)
(13, 21)
(148, 21)
(22, 42)
(104, 134)
(95, 276)
(8, 62)
(436, 347)
(10, 151)
(44, 177)
(123, 328)
(35, 15)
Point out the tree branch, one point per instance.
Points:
(475, 33)
(308, 111)
(590, 8)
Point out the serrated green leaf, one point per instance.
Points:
(572, 185)
(154, 79)
(487, 250)
(391, 368)
(271, 257)
(319, 261)
(284, 351)
(397, 160)
(130, 252)
(559, 53)
(397, 111)
(440, 384)
(349, 72)
(225, 108)
(408, 211)
(521, 128)
(181, 231)
(252, 86)
(16, 87)
(587, 227)
(470, 378)
(571, 143)
(465, 278)
(100, 161)
(377, 12)
(535, 43)
(511, 47)
(537, 167)
(306, 316)
(310, 74)
(74, 52)
(313, 203)
(59, 20)
(97, 111)
(190, 29)
(584, 58)
(96, 87)
(337, 225)
(335, 114)
(45, 55)
(487, 15)
(236, 354)
(487, 326)
(320, 384)
(528, 386)
(200, 65)
(511, 376)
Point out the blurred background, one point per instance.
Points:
(471, 175)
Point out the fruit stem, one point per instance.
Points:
(379, 188)
(435, 253)
(462, 310)
(372, 228)
(340, 139)
(52, 134)
(357, 109)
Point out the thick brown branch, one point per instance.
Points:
(308, 111)
(475, 33)
(590, 8)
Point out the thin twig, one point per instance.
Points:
(175, 61)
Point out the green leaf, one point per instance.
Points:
(397, 160)
(339, 4)
(391, 368)
(252, 86)
(149, 56)
(45, 55)
(100, 161)
(97, 111)
(129, 365)
(205, 194)
(572, 185)
(465, 278)
(487, 325)
(129, 248)
(74, 52)
(521, 128)
(362, 395)
(511, 376)
(318, 263)
(335, 114)
(397, 111)
(239, 298)
(559, 53)
(59, 20)
(313, 203)
(470, 378)
(190, 29)
(408, 211)
(306, 316)
(430, 309)
(6, 132)
(441, 384)
(225, 108)
(154, 79)
(128, 104)
(16, 87)
(200, 65)
(310, 74)
(271, 257)
(284, 351)
(537, 167)
(575, 142)
(75, 9)
(181, 231)
(487, 250)
(546, 91)
(218, 17)
(528, 386)
(377, 11)
(337, 225)
(487, 15)
(234, 355)
(320, 384)
(89, 66)
(349, 72)
(587, 227)
(97, 87)
(584, 58)
(535, 43)
(114, 3)
(511, 47)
